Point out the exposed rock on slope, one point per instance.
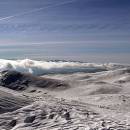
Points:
(20, 81)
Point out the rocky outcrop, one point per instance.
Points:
(20, 81)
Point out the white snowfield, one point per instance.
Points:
(97, 100)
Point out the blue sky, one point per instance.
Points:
(80, 29)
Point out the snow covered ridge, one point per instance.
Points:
(91, 101)
(45, 67)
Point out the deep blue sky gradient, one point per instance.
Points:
(77, 29)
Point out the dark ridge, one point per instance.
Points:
(13, 80)
(20, 81)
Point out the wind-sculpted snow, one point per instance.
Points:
(10, 102)
(63, 95)
(58, 115)
(45, 67)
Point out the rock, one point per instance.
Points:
(39, 91)
(51, 116)
(33, 90)
(9, 77)
(67, 116)
(29, 119)
(12, 80)
(13, 123)
(103, 124)
(20, 81)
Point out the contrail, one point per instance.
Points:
(36, 10)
